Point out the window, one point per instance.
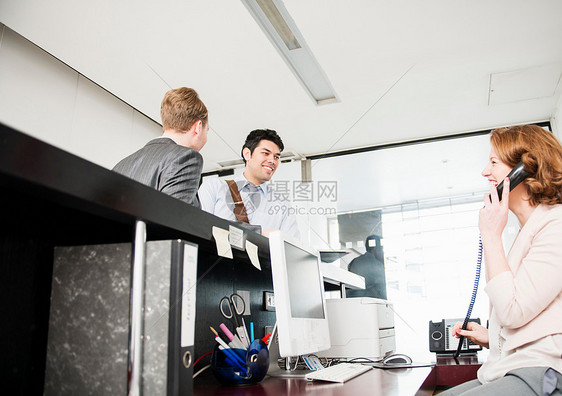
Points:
(430, 249)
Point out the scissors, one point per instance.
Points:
(232, 307)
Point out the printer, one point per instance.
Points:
(360, 327)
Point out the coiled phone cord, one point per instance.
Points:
(473, 298)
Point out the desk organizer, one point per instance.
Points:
(247, 367)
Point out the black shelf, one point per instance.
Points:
(50, 198)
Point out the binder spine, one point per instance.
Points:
(183, 279)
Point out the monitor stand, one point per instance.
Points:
(274, 369)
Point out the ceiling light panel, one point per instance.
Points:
(279, 24)
(274, 19)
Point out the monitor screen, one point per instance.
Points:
(300, 308)
(305, 284)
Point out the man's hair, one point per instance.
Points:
(181, 108)
(257, 135)
(541, 154)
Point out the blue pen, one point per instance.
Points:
(230, 352)
(229, 361)
(235, 365)
(251, 331)
(234, 360)
(240, 352)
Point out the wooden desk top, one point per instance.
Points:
(404, 382)
(417, 381)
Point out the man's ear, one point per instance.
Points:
(197, 127)
(247, 154)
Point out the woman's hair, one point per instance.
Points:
(541, 154)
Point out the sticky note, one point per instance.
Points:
(252, 251)
(223, 244)
(236, 237)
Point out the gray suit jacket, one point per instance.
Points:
(166, 166)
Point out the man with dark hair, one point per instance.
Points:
(249, 198)
(256, 136)
(370, 265)
(172, 163)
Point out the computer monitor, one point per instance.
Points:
(300, 307)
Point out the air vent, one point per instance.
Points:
(524, 84)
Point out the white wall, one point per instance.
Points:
(556, 120)
(43, 97)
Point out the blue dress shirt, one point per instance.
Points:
(265, 208)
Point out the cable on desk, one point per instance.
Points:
(201, 357)
(200, 371)
(363, 360)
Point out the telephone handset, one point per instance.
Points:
(516, 176)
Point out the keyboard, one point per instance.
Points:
(339, 373)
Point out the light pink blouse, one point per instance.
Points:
(525, 328)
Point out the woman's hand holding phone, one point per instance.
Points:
(493, 216)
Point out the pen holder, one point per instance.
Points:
(248, 367)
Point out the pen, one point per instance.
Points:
(226, 331)
(214, 331)
(230, 344)
(235, 340)
(231, 360)
(230, 352)
(266, 338)
(228, 360)
(251, 331)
